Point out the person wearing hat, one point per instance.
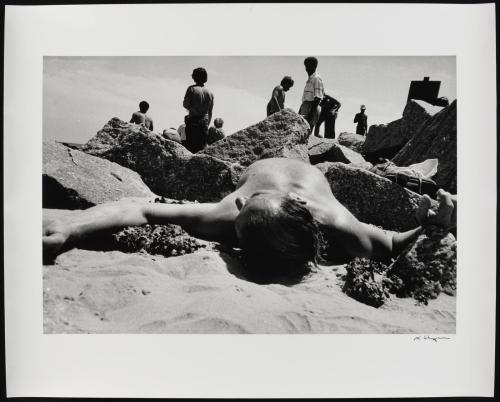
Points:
(277, 101)
(362, 119)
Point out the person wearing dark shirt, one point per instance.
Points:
(199, 101)
(277, 101)
(141, 117)
(362, 119)
(329, 110)
(216, 132)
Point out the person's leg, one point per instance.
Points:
(330, 125)
(318, 124)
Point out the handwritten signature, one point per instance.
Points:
(430, 338)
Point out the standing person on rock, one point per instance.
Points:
(277, 101)
(313, 93)
(141, 117)
(362, 119)
(329, 109)
(199, 101)
(283, 215)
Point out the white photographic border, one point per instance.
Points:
(250, 365)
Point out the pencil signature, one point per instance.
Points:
(430, 338)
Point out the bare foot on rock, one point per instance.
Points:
(446, 214)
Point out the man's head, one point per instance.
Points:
(218, 122)
(286, 83)
(311, 63)
(277, 233)
(200, 75)
(362, 108)
(143, 106)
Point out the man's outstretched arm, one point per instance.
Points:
(65, 232)
(363, 240)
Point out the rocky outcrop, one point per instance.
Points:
(75, 180)
(166, 166)
(385, 140)
(283, 134)
(352, 141)
(436, 138)
(372, 198)
(329, 150)
(427, 268)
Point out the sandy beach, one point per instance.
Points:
(114, 292)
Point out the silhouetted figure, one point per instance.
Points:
(277, 101)
(313, 93)
(329, 109)
(199, 101)
(362, 119)
(141, 117)
(216, 133)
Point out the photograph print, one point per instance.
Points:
(249, 194)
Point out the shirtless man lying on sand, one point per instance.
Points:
(283, 215)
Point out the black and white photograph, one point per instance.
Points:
(250, 200)
(249, 194)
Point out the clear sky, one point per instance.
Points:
(80, 94)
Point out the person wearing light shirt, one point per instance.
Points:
(313, 93)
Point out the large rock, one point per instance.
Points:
(166, 166)
(283, 134)
(76, 180)
(372, 198)
(427, 268)
(385, 140)
(437, 138)
(329, 150)
(352, 141)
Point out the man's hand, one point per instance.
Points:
(55, 237)
(446, 214)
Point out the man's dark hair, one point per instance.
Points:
(311, 61)
(200, 75)
(287, 80)
(143, 106)
(281, 243)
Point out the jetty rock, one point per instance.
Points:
(168, 168)
(385, 140)
(352, 141)
(72, 179)
(372, 198)
(436, 138)
(329, 150)
(281, 135)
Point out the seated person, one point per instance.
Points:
(283, 215)
(216, 133)
(141, 117)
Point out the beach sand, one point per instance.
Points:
(114, 292)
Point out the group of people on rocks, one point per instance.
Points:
(195, 134)
(317, 108)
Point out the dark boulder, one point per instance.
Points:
(75, 180)
(329, 150)
(437, 138)
(283, 134)
(166, 166)
(385, 140)
(372, 198)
